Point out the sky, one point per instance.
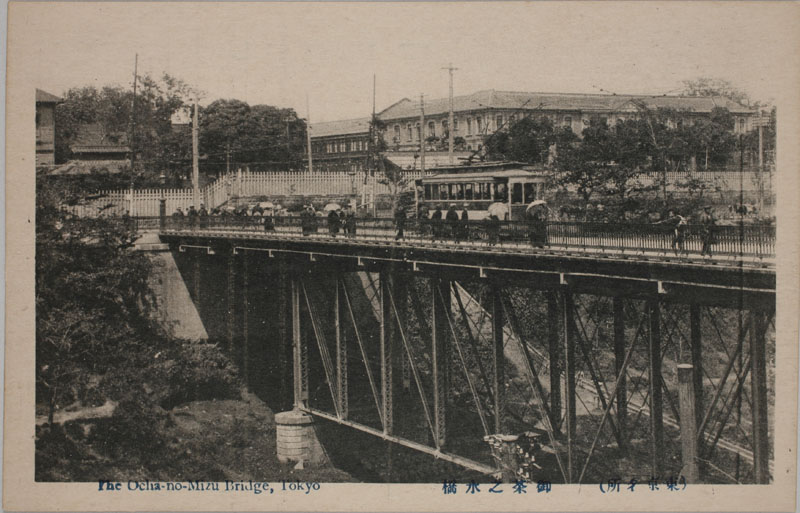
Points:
(281, 53)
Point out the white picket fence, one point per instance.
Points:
(239, 184)
(243, 184)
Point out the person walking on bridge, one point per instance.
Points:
(464, 222)
(192, 216)
(436, 223)
(679, 224)
(400, 222)
(203, 215)
(452, 221)
(708, 223)
(333, 223)
(306, 220)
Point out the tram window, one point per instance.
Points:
(428, 192)
(485, 194)
(530, 194)
(516, 193)
(501, 192)
(443, 191)
(468, 191)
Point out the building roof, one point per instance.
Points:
(94, 138)
(343, 127)
(77, 167)
(45, 97)
(505, 173)
(409, 160)
(491, 99)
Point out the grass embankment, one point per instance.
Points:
(181, 414)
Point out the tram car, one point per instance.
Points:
(505, 193)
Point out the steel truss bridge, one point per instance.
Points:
(616, 353)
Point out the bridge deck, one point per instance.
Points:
(686, 277)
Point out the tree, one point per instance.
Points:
(706, 86)
(111, 108)
(528, 140)
(231, 131)
(92, 296)
(585, 164)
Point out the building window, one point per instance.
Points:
(444, 127)
(469, 126)
(511, 119)
(499, 122)
(479, 124)
(397, 133)
(410, 133)
(417, 132)
(455, 126)
(431, 129)
(568, 120)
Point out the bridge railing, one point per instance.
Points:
(745, 240)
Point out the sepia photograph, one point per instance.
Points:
(389, 256)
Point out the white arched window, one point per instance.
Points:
(410, 134)
(397, 133)
(431, 129)
(469, 126)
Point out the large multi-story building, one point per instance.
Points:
(482, 113)
(340, 145)
(46, 127)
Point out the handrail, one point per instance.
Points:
(739, 240)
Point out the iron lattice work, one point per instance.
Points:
(617, 368)
(438, 366)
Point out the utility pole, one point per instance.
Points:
(133, 130)
(450, 126)
(760, 168)
(308, 136)
(373, 152)
(195, 159)
(422, 133)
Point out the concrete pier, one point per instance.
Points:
(296, 438)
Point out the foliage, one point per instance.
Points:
(91, 295)
(706, 86)
(176, 372)
(607, 159)
(610, 160)
(528, 140)
(233, 130)
(112, 108)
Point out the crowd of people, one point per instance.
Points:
(451, 225)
